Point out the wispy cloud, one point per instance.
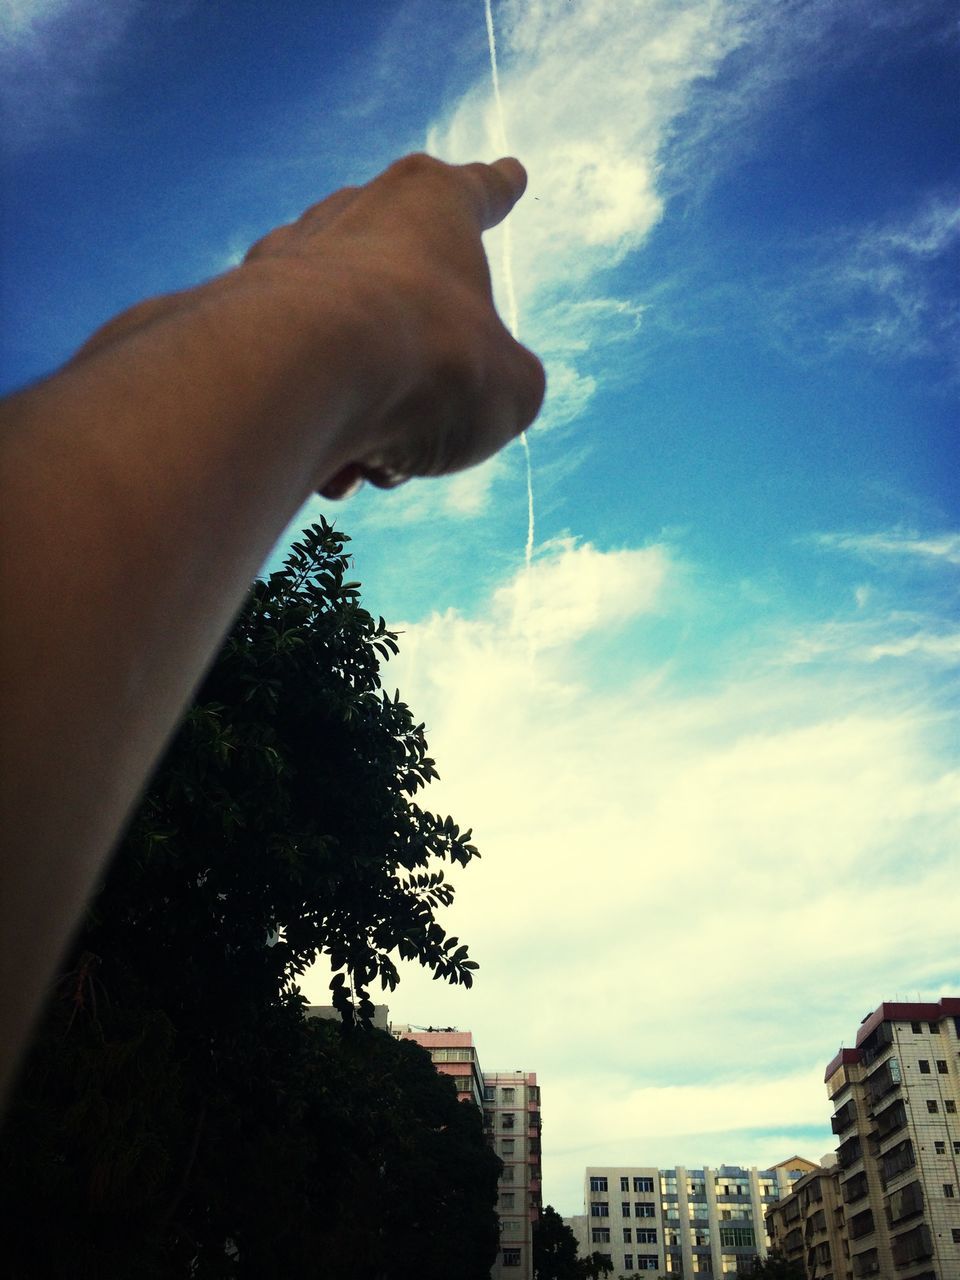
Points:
(887, 289)
(52, 58)
(941, 549)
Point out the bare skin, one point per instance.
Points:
(145, 483)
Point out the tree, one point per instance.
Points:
(776, 1267)
(555, 1252)
(175, 1105)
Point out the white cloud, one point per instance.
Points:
(52, 55)
(688, 895)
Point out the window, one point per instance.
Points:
(625, 1209)
(511, 1257)
(624, 1184)
(600, 1235)
(489, 1093)
(956, 1148)
(737, 1237)
(916, 1028)
(934, 1028)
(942, 1066)
(507, 1096)
(932, 1105)
(646, 1235)
(940, 1148)
(508, 1146)
(955, 1232)
(508, 1119)
(950, 1106)
(507, 1199)
(647, 1262)
(507, 1175)
(642, 1184)
(628, 1262)
(598, 1184)
(924, 1066)
(644, 1209)
(599, 1209)
(948, 1190)
(628, 1235)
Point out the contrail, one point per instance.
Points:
(513, 319)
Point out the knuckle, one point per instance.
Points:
(416, 165)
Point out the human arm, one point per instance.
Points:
(144, 484)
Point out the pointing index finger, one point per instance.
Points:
(498, 187)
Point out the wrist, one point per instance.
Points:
(336, 337)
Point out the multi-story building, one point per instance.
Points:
(807, 1226)
(453, 1054)
(510, 1102)
(511, 1118)
(681, 1221)
(895, 1097)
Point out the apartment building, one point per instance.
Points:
(511, 1119)
(808, 1226)
(895, 1099)
(453, 1053)
(681, 1221)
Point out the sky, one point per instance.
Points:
(709, 741)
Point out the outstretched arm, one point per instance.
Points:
(144, 484)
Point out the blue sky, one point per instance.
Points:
(709, 742)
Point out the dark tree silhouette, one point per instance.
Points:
(177, 1115)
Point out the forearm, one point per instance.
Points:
(143, 486)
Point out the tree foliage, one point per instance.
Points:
(176, 1107)
(556, 1253)
(776, 1267)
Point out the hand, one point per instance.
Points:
(452, 385)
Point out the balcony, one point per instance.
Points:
(849, 1152)
(855, 1188)
(890, 1120)
(866, 1264)
(876, 1044)
(905, 1203)
(885, 1078)
(843, 1119)
(896, 1161)
(912, 1246)
(861, 1224)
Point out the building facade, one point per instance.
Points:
(681, 1221)
(511, 1119)
(454, 1054)
(895, 1099)
(808, 1226)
